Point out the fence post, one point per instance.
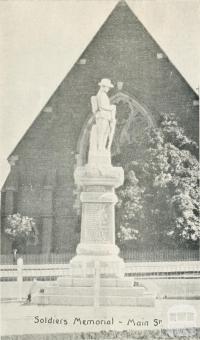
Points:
(19, 277)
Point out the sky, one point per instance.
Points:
(40, 40)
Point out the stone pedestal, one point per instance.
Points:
(97, 276)
(98, 200)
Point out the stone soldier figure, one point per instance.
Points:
(103, 132)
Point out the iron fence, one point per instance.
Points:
(132, 255)
(129, 255)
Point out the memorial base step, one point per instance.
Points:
(81, 300)
(72, 291)
(69, 281)
(90, 291)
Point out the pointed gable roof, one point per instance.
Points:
(122, 50)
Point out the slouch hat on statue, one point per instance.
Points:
(106, 82)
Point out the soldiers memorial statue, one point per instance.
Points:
(97, 256)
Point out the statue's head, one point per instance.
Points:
(106, 84)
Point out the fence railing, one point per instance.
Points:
(31, 271)
(169, 269)
(147, 269)
(160, 255)
(129, 255)
(15, 280)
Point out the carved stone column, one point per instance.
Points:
(98, 222)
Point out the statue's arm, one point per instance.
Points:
(104, 102)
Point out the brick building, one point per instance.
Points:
(40, 182)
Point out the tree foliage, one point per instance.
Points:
(160, 196)
(21, 230)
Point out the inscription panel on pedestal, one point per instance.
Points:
(97, 223)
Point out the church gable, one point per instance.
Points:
(123, 51)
